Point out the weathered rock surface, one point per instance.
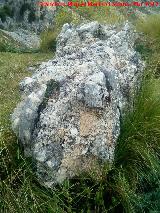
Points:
(25, 38)
(71, 107)
(25, 14)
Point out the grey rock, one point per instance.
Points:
(28, 15)
(70, 113)
(25, 38)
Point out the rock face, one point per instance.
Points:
(70, 113)
(25, 38)
(25, 14)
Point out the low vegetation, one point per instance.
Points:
(151, 27)
(5, 12)
(131, 184)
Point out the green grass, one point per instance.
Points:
(12, 70)
(150, 26)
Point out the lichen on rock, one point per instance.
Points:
(71, 107)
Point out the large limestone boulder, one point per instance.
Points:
(71, 107)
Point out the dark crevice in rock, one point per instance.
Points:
(100, 34)
(53, 88)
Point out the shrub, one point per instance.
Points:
(24, 7)
(8, 10)
(41, 16)
(4, 12)
(31, 16)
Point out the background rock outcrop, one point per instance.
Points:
(25, 14)
(71, 107)
(24, 38)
